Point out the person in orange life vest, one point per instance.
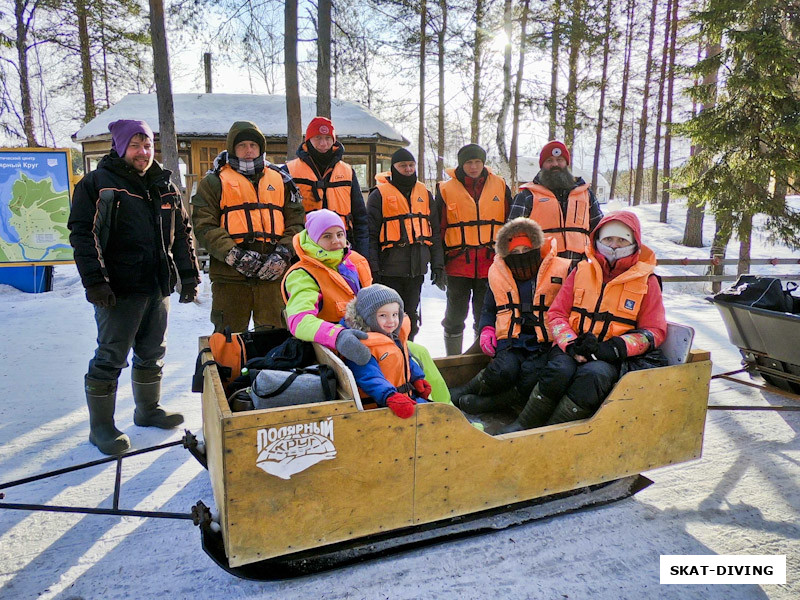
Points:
(390, 378)
(607, 319)
(404, 233)
(326, 181)
(316, 289)
(561, 203)
(246, 212)
(472, 205)
(523, 281)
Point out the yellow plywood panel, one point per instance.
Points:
(652, 419)
(366, 487)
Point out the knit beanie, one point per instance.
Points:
(402, 155)
(122, 132)
(319, 221)
(320, 126)
(553, 148)
(250, 135)
(616, 229)
(469, 152)
(369, 299)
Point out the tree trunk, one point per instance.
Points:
(21, 43)
(440, 132)
(555, 48)
(423, 28)
(324, 58)
(661, 79)
(624, 93)
(598, 138)
(87, 75)
(668, 132)
(571, 100)
(512, 159)
(105, 58)
(475, 121)
(506, 103)
(722, 235)
(745, 232)
(637, 186)
(161, 76)
(294, 125)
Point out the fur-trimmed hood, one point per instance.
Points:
(523, 225)
(354, 320)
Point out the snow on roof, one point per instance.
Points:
(213, 114)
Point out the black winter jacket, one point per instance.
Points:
(130, 230)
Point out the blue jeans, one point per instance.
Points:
(137, 321)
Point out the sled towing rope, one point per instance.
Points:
(200, 514)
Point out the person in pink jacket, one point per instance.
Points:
(607, 319)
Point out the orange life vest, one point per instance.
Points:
(610, 309)
(571, 230)
(413, 216)
(473, 224)
(229, 353)
(248, 216)
(392, 360)
(509, 319)
(332, 191)
(335, 290)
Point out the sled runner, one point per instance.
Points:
(306, 488)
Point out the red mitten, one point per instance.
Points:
(401, 405)
(423, 388)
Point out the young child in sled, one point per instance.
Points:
(316, 289)
(524, 278)
(390, 377)
(607, 319)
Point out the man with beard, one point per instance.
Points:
(561, 203)
(133, 244)
(404, 234)
(326, 181)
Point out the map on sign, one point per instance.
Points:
(34, 206)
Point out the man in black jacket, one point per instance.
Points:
(132, 242)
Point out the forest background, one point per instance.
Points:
(697, 99)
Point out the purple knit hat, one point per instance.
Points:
(319, 221)
(123, 130)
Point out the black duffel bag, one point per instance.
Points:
(760, 291)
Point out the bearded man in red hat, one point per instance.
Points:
(564, 205)
(326, 181)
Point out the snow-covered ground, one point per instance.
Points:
(742, 497)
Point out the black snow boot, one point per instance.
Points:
(567, 411)
(535, 414)
(482, 403)
(146, 395)
(101, 398)
(452, 343)
(473, 386)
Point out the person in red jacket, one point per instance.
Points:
(473, 205)
(607, 319)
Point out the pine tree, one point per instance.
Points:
(750, 139)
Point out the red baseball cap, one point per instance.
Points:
(553, 148)
(320, 126)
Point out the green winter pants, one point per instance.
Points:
(232, 304)
(439, 391)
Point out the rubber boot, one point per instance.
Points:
(567, 411)
(146, 395)
(452, 343)
(101, 398)
(473, 386)
(482, 403)
(535, 414)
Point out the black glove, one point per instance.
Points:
(247, 262)
(584, 345)
(613, 350)
(275, 265)
(439, 279)
(100, 294)
(188, 291)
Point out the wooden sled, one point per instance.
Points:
(306, 488)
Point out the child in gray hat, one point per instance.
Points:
(390, 378)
